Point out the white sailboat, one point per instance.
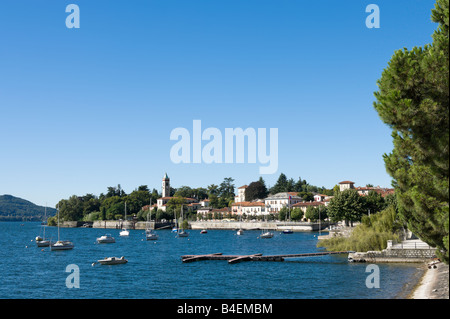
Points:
(181, 231)
(124, 231)
(240, 230)
(149, 234)
(266, 233)
(61, 244)
(41, 241)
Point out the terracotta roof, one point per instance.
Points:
(245, 186)
(346, 182)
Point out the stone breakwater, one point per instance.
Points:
(408, 251)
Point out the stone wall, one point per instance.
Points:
(393, 255)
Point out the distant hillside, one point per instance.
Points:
(16, 209)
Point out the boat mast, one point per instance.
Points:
(57, 208)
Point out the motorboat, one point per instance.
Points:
(106, 239)
(267, 234)
(124, 232)
(62, 245)
(150, 235)
(112, 261)
(204, 231)
(240, 232)
(288, 231)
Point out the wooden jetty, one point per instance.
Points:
(232, 259)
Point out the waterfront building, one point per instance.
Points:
(257, 208)
(275, 203)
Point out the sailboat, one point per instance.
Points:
(149, 234)
(125, 232)
(181, 232)
(41, 241)
(266, 234)
(240, 230)
(61, 244)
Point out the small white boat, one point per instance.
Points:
(113, 261)
(204, 231)
(43, 243)
(150, 235)
(125, 232)
(106, 239)
(267, 234)
(240, 232)
(62, 245)
(182, 233)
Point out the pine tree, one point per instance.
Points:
(413, 100)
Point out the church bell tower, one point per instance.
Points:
(166, 186)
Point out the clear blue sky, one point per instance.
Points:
(84, 109)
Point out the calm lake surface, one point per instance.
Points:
(155, 270)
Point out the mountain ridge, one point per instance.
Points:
(13, 208)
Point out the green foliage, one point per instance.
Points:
(347, 205)
(296, 214)
(256, 190)
(372, 234)
(413, 99)
(284, 184)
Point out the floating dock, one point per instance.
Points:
(232, 259)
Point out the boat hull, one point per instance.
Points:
(112, 261)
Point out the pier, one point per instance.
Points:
(232, 259)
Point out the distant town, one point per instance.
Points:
(258, 207)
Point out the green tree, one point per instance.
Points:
(256, 190)
(296, 214)
(374, 202)
(347, 205)
(281, 185)
(283, 213)
(413, 100)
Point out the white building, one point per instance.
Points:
(346, 185)
(248, 208)
(241, 194)
(275, 203)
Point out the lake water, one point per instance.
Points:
(154, 269)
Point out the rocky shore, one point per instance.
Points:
(434, 283)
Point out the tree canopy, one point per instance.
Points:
(413, 100)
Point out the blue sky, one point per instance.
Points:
(84, 109)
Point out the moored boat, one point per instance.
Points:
(112, 261)
(106, 239)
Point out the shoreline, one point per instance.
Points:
(434, 283)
